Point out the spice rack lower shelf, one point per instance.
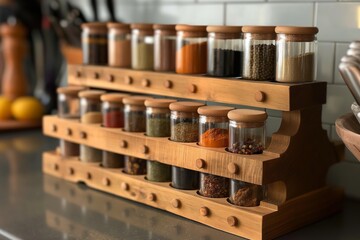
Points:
(263, 222)
(255, 169)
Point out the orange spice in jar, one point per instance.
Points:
(214, 132)
(191, 49)
(119, 45)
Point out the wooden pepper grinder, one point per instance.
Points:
(14, 45)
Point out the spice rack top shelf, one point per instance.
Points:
(271, 95)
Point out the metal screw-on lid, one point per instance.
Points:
(70, 90)
(185, 106)
(214, 111)
(247, 115)
(92, 94)
(135, 100)
(159, 103)
(113, 97)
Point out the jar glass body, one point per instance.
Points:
(245, 194)
(246, 138)
(225, 54)
(157, 122)
(134, 166)
(142, 50)
(191, 54)
(213, 186)
(119, 50)
(185, 179)
(184, 126)
(296, 58)
(94, 47)
(68, 107)
(213, 131)
(164, 50)
(113, 114)
(259, 57)
(135, 118)
(158, 172)
(88, 105)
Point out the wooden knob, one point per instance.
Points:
(88, 176)
(106, 181)
(54, 128)
(260, 96)
(151, 197)
(123, 144)
(111, 78)
(200, 163)
(232, 221)
(233, 168)
(128, 80)
(96, 75)
(78, 74)
(145, 149)
(204, 211)
(83, 135)
(71, 171)
(145, 82)
(124, 186)
(192, 88)
(175, 203)
(68, 132)
(56, 167)
(168, 84)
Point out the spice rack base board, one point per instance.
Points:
(263, 222)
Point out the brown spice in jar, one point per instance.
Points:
(297, 69)
(214, 186)
(165, 56)
(192, 58)
(215, 137)
(248, 196)
(120, 53)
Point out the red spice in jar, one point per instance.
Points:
(113, 119)
(215, 137)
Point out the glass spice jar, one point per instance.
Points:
(164, 47)
(225, 51)
(113, 117)
(184, 128)
(119, 50)
(142, 46)
(191, 49)
(90, 111)
(94, 43)
(245, 194)
(296, 50)
(69, 108)
(214, 132)
(135, 121)
(247, 131)
(259, 52)
(158, 125)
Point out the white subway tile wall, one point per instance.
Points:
(338, 22)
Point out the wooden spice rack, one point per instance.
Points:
(293, 167)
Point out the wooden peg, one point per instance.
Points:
(204, 211)
(200, 163)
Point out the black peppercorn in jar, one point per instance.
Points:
(142, 46)
(90, 111)
(69, 107)
(113, 117)
(184, 128)
(135, 121)
(225, 51)
(158, 125)
(94, 43)
(259, 53)
(296, 54)
(214, 132)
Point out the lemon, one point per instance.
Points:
(5, 108)
(27, 108)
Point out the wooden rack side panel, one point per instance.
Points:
(277, 96)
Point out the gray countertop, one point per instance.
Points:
(38, 206)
